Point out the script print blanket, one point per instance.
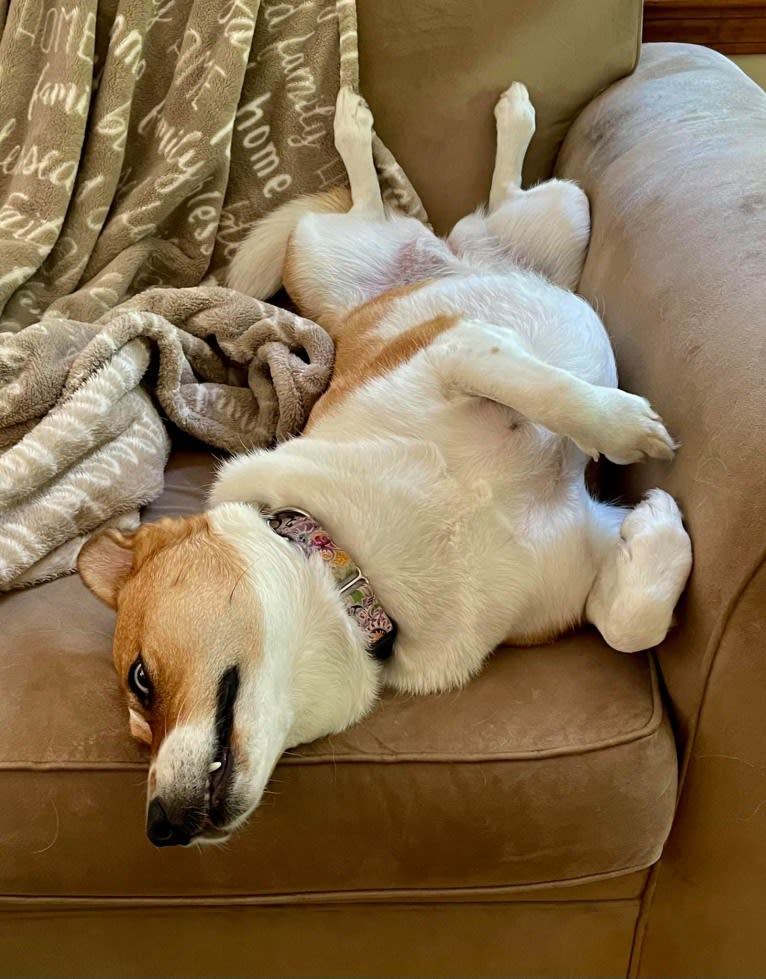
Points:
(139, 142)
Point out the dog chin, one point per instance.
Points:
(212, 835)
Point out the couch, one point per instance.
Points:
(574, 811)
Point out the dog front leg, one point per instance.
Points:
(487, 361)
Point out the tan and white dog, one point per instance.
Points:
(446, 458)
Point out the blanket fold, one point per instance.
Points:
(233, 371)
(139, 142)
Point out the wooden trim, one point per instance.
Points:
(736, 27)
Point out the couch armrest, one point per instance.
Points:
(673, 160)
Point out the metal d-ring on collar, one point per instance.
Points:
(355, 589)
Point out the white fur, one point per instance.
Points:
(456, 479)
(261, 256)
(313, 672)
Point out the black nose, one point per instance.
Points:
(162, 830)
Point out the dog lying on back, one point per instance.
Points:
(434, 508)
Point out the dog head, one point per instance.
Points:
(230, 646)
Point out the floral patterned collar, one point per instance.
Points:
(356, 591)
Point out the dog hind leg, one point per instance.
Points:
(546, 228)
(642, 574)
(515, 119)
(353, 141)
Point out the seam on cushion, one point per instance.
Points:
(714, 645)
(648, 729)
(337, 897)
(98, 906)
(642, 920)
(716, 640)
(639, 38)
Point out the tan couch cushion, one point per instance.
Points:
(556, 764)
(432, 72)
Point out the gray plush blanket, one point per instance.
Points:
(139, 142)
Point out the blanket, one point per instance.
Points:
(140, 140)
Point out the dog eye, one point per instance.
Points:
(139, 682)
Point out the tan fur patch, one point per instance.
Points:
(152, 538)
(354, 337)
(362, 356)
(180, 610)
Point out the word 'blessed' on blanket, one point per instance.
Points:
(139, 142)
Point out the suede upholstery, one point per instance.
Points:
(432, 70)
(506, 829)
(674, 162)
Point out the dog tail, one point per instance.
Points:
(259, 262)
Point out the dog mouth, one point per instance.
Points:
(216, 808)
(218, 782)
(222, 769)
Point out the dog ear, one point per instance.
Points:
(105, 562)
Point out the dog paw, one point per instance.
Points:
(637, 588)
(630, 430)
(657, 509)
(514, 110)
(352, 117)
(655, 544)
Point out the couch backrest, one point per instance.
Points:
(432, 70)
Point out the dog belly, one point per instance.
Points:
(518, 566)
(558, 326)
(478, 439)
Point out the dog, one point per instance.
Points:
(434, 509)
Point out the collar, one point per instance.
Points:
(355, 590)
